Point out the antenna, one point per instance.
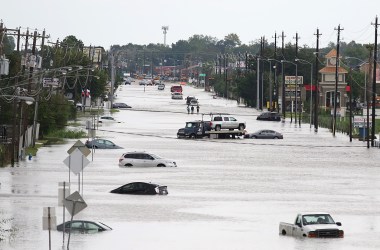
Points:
(165, 30)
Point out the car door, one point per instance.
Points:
(298, 230)
(233, 123)
(149, 161)
(91, 227)
(226, 122)
(100, 143)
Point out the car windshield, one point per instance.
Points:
(310, 219)
(156, 156)
(105, 226)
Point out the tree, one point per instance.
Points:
(232, 40)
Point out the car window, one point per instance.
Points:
(101, 141)
(77, 225)
(218, 118)
(226, 119)
(128, 187)
(91, 226)
(232, 119)
(109, 143)
(130, 156)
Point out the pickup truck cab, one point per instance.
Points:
(219, 122)
(194, 129)
(313, 225)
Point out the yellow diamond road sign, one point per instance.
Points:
(79, 145)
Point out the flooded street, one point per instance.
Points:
(225, 194)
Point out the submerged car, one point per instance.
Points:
(83, 226)
(264, 134)
(143, 159)
(141, 188)
(120, 105)
(101, 144)
(106, 119)
(269, 116)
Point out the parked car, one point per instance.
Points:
(144, 159)
(106, 119)
(177, 95)
(83, 226)
(269, 116)
(141, 188)
(264, 134)
(160, 86)
(120, 105)
(219, 122)
(101, 144)
(143, 82)
(313, 225)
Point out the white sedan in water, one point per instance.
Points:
(144, 159)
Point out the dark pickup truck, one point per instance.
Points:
(194, 129)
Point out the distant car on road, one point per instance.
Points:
(101, 144)
(177, 95)
(83, 226)
(264, 134)
(160, 86)
(144, 159)
(269, 116)
(141, 188)
(106, 119)
(120, 105)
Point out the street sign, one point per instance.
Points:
(79, 145)
(202, 74)
(361, 122)
(47, 82)
(49, 220)
(291, 80)
(76, 161)
(74, 203)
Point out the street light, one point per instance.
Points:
(311, 83)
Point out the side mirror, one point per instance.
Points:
(339, 224)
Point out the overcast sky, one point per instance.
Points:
(108, 22)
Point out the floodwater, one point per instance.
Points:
(224, 194)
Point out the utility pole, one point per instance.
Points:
(316, 102)
(283, 107)
(374, 86)
(296, 94)
(38, 96)
(258, 78)
(275, 75)
(336, 78)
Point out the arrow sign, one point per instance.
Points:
(79, 145)
(74, 203)
(76, 161)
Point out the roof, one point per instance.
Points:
(332, 53)
(332, 70)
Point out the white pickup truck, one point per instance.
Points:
(219, 122)
(313, 225)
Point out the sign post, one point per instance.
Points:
(49, 221)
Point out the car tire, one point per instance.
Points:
(241, 127)
(192, 136)
(254, 137)
(128, 165)
(217, 128)
(161, 166)
(275, 137)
